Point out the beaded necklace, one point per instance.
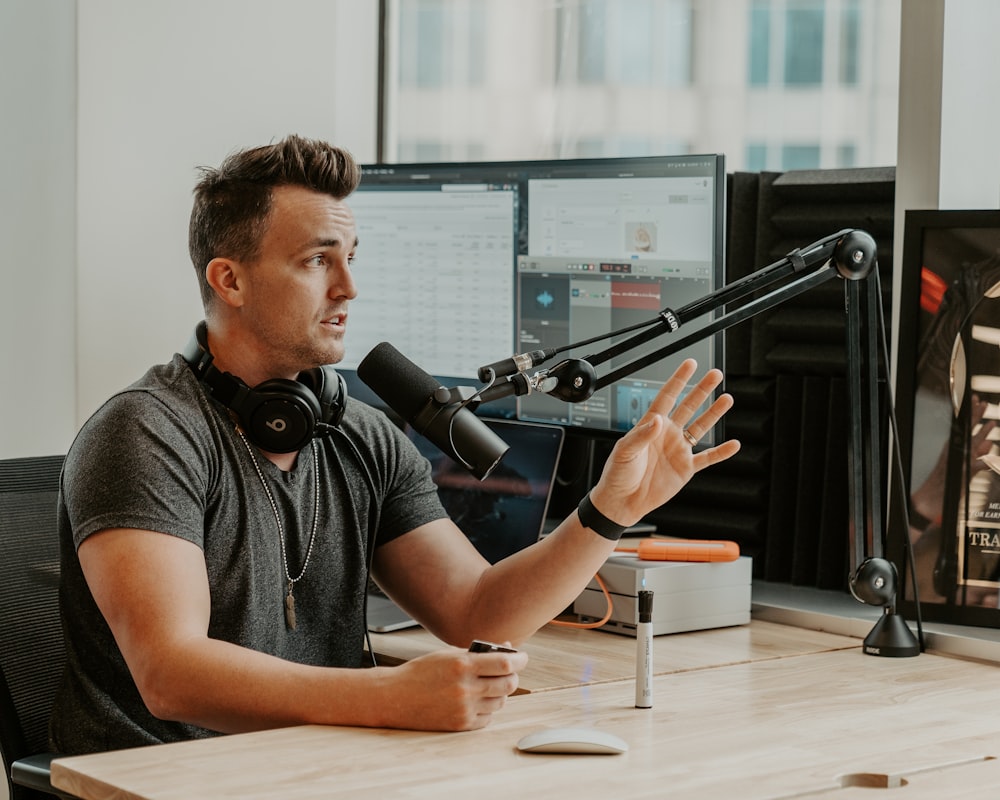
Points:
(289, 595)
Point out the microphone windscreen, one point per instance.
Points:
(401, 384)
(410, 392)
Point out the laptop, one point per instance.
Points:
(500, 515)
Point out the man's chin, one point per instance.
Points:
(332, 355)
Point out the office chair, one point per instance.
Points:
(32, 653)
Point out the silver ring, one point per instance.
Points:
(690, 437)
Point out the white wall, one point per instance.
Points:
(109, 107)
(948, 154)
(970, 106)
(165, 88)
(37, 229)
(37, 226)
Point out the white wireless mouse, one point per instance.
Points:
(572, 740)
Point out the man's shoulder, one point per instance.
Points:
(166, 398)
(162, 384)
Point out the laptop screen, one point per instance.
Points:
(505, 512)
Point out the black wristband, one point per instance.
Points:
(597, 522)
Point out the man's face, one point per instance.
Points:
(296, 295)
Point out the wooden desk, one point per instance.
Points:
(563, 657)
(778, 728)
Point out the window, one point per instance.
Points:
(760, 43)
(804, 27)
(850, 42)
(756, 157)
(590, 37)
(804, 43)
(799, 156)
(447, 45)
(846, 156)
(625, 42)
(518, 79)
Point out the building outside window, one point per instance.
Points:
(772, 84)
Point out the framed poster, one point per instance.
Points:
(947, 401)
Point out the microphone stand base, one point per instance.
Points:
(891, 637)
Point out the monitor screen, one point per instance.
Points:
(434, 268)
(610, 244)
(460, 265)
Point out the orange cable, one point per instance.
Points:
(607, 615)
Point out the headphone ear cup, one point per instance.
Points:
(330, 390)
(280, 415)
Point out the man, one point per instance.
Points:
(212, 584)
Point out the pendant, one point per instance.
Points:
(290, 609)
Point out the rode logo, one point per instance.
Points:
(670, 318)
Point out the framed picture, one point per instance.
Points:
(947, 400)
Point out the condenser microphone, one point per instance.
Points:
(440, 414)
(521, 362)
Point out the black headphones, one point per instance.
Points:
(278, 415)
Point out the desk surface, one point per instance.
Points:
(778, 728)
(563, 657)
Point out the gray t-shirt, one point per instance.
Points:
(163, 456)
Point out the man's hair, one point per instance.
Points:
(232, 203)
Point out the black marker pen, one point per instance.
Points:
(644, 652)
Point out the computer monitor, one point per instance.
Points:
(610, 244)
(463, 264)
(435, 269)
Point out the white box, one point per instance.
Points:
(687, 595)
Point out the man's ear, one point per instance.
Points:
(225, 276)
